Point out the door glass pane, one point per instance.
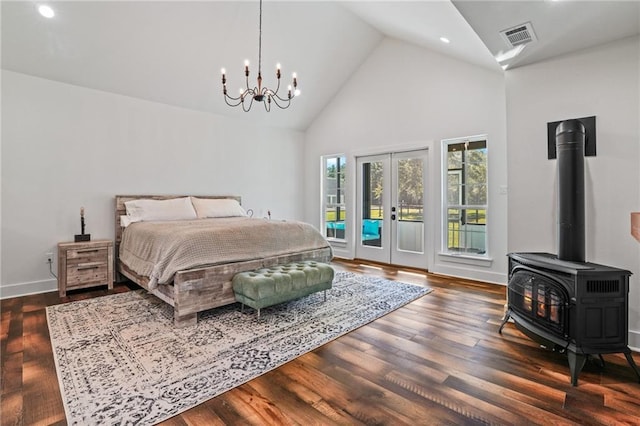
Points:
(372, 211)
(410, 209)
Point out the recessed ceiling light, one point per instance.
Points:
(444, 40)
(46, 11)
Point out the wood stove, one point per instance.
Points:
(562, 302)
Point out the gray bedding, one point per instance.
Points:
(160, 249)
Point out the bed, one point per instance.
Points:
(201, 285)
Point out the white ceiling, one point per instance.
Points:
(172, 51)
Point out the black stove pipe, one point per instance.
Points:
(570, 139)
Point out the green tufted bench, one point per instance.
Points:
(281, 283)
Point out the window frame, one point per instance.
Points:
(340, 195)
(446, 206)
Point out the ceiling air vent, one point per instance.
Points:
(520, 34)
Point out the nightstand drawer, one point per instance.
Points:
(87, 273)
(87, 255)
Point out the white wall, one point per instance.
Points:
(405, 96)
(64, 147)
(604, 82)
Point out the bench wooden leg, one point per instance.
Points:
(325, 295)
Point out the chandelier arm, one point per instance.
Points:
(249, 107)
(277, 88)
(275, 95)
(275, 101)
(227, 97)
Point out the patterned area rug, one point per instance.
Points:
(120, 360)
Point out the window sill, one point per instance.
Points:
(466, 259)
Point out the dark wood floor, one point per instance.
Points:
(438, 360)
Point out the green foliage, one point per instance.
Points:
(410, 181)
(467, 176)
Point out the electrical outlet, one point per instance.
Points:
(48, 257)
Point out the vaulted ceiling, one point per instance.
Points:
(172, 51)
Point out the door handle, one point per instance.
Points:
(393, 209)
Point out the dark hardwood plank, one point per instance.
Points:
(40, 382)
(438, 360)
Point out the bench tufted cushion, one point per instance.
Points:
(280, 283)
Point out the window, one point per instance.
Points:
(333, 199)
(465, 196)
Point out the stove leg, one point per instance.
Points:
(504, 321)
(576, 362)
(632, 363)
(601, 363)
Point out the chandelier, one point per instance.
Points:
(260, 93)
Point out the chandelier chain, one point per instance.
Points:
(260, 43)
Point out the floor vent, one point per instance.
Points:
(520, 34)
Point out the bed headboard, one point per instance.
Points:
(121, 211)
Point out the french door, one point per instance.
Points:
(391, 195)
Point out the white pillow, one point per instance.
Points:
(125, 221)
(172, 209)
(217, 207)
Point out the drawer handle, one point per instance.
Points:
(80, 268)
(92, 265)
(87, 251)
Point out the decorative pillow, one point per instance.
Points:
(172, 209)
(217, 207)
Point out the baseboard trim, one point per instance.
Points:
(470, 273)
(25, 289)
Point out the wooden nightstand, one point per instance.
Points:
(85, 264)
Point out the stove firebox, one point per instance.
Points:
(562, 302)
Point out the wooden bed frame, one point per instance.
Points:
(199, 289)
